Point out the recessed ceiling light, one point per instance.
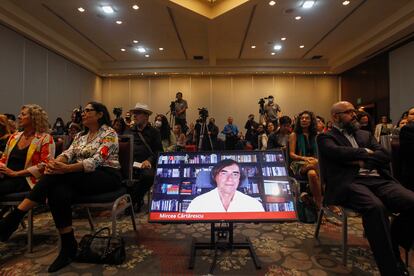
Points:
(253, 46)
(345, 3)
(135, 7)
(283, 38)
(308, 4)
(107, 9)
(273, 53)
(80, 9)
(161, 49)
(141, 49)
(123, 50)
(277, 47)
(302, 46)
(298, 17)
(272, 3)
(135, 41)
(146, 55)
(119, 22)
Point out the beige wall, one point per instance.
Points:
(224, 96)
(30, 73)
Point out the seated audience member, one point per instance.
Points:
(328, 126)
(302, 151)
(119, 125)
(365, 121)
(383, 128)
(320, 124)
(147, 145)
(75, 117)
(4, 132)
(179, 137)
(262, 138)
(74, 129)
(280, 137)
(12, 122)
(407, 151)
(270, 128)
(357, 177)
(400, 124)
(226, 176)
(58, 127)
(26, 152)
(89, 167)
(191, 135)
(128, 120)
(167, 136)
(251, 126)
(231, 131)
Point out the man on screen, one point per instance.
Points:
(227, 175)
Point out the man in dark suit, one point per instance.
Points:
(355, 170)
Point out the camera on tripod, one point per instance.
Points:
(203, 113)
(261, 106)
(172, 107)
(117, 112)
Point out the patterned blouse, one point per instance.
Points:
(101, 151)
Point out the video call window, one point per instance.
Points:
(213, 186)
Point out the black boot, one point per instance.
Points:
(10, 223)
(67, 252)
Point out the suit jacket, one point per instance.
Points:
(41, 150)
(339, 161)
(406, 155)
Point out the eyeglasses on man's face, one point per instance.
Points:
(87, 110)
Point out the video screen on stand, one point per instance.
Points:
(222, 186)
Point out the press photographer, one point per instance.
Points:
(206, 134)
(180, 108)
(272, 111)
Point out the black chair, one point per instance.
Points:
(118, 200)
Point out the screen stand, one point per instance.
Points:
(222, 238)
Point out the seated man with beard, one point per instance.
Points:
(357, 177)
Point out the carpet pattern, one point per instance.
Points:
(155, 249)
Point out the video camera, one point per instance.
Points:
(261, 104)
(203, 113)
(117, 112)
(172, 107)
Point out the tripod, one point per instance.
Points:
(202, 133)
(172, 114)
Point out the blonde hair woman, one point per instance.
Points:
(27, 152)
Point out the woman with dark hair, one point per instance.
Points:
(4, 132)
(168, 139)
(383, 128)
(365, 121)
(302, 151)
(89, 166)
(58, 127)
(119, 125)
(226, 175)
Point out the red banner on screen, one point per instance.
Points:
(233, 216)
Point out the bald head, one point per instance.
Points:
(340, 107)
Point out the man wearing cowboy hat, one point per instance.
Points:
(147, 144)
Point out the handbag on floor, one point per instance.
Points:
(101, 249)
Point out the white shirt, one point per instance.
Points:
(210, 202)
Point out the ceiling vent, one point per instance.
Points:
(289, 11)
(198, 57)
(316, 57)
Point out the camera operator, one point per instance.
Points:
(180, 111)
(251, 126)
(272, 111)
(231, 131)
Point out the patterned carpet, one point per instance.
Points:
(283, 249)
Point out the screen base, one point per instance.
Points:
(224, 241)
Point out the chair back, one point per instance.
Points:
(58, 147)
(126, 155)
(396, 158)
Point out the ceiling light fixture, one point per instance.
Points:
(272, 3)
(308, 4)
(283, 38)
(345, 3)
(119, 22)
(298, 17)
(80, 9)
(135, 41)
(146, 55)
(161, 49)
(108, 9)
(135, 7)
(253, 46)
(123, 50)
(277, 47)
(273, 53)
(141, 49)
(302, 46)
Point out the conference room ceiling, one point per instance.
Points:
(213, 36)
